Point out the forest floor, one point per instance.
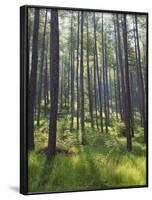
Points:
(103, 162)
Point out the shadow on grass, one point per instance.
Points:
(91, 172)
(103, 162)
(44, 176)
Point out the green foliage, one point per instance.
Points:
(120, 128)
(103, 162)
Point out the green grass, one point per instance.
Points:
(103, 162)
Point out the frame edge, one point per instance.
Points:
(23, 107)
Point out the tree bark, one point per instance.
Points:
(140, 75)
(104, 77)
(88, 75)
(32, 81)
(127, 93)
(41, 73)
(97, 71)
(117, 70)
(54, 64)
(72, 75)
(106, 84)
(61, 83)
(46, 96)
(78, 96)
(121, 69)
(82, 83)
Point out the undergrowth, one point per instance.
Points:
(103, 162)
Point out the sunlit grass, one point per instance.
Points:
(103, 162)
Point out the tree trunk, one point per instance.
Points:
(61, 83)
(82, 84)
(89, 82)
(141, 84)
(104, 78)
(72, 75)
(46, 101)
(95, 92)
(78, 96)
(32, 82)
(115, 88)
(68, 92)
(121, 69)
(127, 93)
(41, 73)
(54, 65)
(117, 70)
(106, 82)
(97, 71)
(110, 91)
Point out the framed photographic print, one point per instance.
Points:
(84, 99)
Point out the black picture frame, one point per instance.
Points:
(24, 95)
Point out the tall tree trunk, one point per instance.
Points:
(132, 101)
(95, 91)
(104, 78)
(137, 70)
(72, 74)
(115, 88)
(89, 82)
(68, 92)
(140, 75)
(97, 70)
(117, 70)
(110, 91)
(78, 96)
(61, 83)
(106, 82)
(127, 93)
(121, 68)
(32, 81)
(41, 73)
(82, 84)
(46, 101)
(54, 64)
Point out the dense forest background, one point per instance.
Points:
(87, 100)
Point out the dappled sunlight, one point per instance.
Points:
(103, 162)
